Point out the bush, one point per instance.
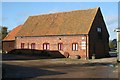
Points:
(45, 53)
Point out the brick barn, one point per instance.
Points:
(8, 43)
(80, 32)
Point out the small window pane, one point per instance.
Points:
(98, 29)
(74, 46)
(22, 45)
(60, 46)
(46, 46)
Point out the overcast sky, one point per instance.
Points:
(16, 13)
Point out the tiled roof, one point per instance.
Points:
(62, 23)
(11, 35)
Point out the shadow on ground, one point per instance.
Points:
(15, 71)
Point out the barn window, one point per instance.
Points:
(99, 29)
(99, 32)
(32, 45)
(60, 46)
(46, 46)
(74, 46)
(22, 45)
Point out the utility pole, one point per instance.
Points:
(118, 44)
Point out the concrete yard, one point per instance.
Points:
(29, 67)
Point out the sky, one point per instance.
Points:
(16, 13)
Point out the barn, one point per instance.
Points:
(8, 43)
(74, 33)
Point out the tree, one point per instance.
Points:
(111, 44)
(114, 42)
(4, 32)
(119, 36)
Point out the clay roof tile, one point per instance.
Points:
(62, 23)
(11, 35)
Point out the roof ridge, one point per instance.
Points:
(97, 8)
(44, 14)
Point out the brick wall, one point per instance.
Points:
(7, 46)
(53, 41)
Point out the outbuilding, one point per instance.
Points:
(8, 43)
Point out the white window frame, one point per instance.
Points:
(46, 46)
(75, 46)
(60, 46)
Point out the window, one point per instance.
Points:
(33, 46)
(75, 46)
(22, 45)
(46, 46)
(99, 29)
(99, 32)
(60, 46)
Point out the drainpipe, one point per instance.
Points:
(118, 44)
(87, 55)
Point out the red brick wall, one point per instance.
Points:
(7, 45)
(54, 40)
